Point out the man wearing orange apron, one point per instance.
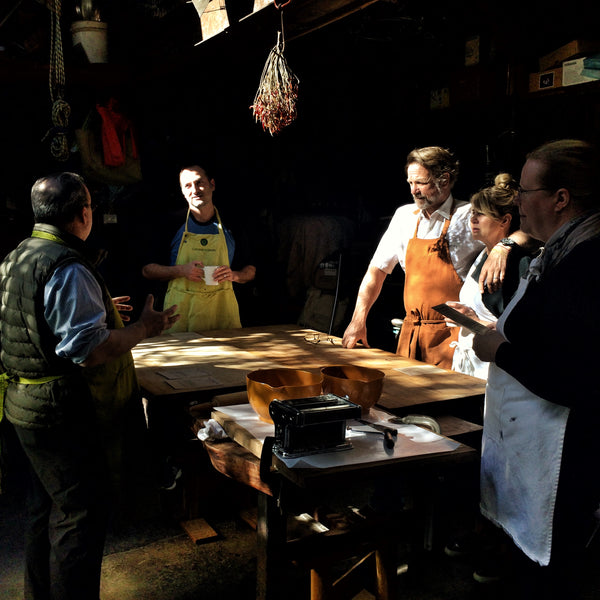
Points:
(430, 279)
(434, 246)
(202, 242)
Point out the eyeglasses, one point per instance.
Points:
(315, 338)
(522, 191)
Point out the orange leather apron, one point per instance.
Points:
(430, 279)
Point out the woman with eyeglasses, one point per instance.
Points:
(541, 445)
(494, 216)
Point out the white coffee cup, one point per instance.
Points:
(209, 275)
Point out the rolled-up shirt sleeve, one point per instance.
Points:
(75, 312)
(392, 246)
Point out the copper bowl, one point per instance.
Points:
(266, 385)
(362, 385)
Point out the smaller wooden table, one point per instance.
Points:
(281, 485)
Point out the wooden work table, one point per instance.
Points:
(203, 365)
(191, 368)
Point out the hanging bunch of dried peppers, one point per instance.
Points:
(275, 101)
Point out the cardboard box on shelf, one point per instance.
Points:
(547, 80)
(573, 49)
(581, 70)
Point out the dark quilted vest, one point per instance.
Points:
(27, 343)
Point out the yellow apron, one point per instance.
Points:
(203, 307)
(122, 427)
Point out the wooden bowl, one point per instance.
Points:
(362, 385)
(266, 385)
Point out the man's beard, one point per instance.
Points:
(424, 202)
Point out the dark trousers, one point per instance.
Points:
(67, 512)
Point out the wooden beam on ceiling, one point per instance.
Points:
(300, 18)
(256, 33)
(305, 16)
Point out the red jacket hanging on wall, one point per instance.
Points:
(115, 128)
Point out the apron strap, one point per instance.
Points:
(221, 233)
(44, 235)
(446, 221)
(219, 224)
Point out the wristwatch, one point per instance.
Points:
(508, 242)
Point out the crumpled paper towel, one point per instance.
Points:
(212, 431)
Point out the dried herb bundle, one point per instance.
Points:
(275, 101)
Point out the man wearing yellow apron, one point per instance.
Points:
(201, 242)
(434, 246)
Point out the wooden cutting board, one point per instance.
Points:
(249, 435)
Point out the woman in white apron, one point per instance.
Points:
(494, 216)
(540, 443)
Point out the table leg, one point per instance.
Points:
(271, 538)
(318, 586)
(386, 565)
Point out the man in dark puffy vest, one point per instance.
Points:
(67, 383)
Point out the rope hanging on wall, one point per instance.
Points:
(275, 101)
(61, 111)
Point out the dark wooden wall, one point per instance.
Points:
(364, 103)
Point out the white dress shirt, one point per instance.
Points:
(463, 248)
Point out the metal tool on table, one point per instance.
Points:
(420, 420)
(389, 433)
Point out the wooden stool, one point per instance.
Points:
(367, 547)
(368, 542)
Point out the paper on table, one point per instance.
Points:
(412, 432)
(182, 372)
(187, 377)
(367, 447)
(193, 382)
